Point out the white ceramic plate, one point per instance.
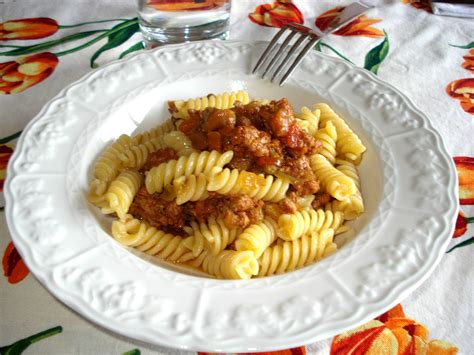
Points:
(408, 182)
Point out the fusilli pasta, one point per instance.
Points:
(295, 225)
(155, 132)
(179, 142)
(308, 120)
(348, 144)
(224, 101)
(257, 186)
(213, 236)
(328, 137)
(136, 156)
(333, 181)
(257, 237)
(228, 264)
(107, 167)
(292, 255)
(239, 214)
(121, 192)
(190, 188)
(134, 233)
(353, 205)
(196, 163)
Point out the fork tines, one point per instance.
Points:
(305, 34)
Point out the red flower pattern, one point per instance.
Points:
(25, 72)
(14, 268)
(465, 169)
(27, 28)
(463, 90)
(390, 333)
(469, 61)
(419, 4)
(277, 14)
(360, 26)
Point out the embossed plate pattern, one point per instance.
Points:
(408, 182)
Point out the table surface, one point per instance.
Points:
(429, 58)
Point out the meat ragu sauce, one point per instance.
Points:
(265, 139)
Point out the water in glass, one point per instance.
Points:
(175, 21)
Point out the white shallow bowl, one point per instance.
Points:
(408, 182)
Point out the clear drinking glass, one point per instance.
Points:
(176, 21)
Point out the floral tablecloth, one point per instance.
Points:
(47, 44)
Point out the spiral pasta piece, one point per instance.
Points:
(213, 236)
(349, 169)
(348, 144)
(292, 255)
(155, 132)
(257, 237)
(333, 181)
(328, 138)
(121, 192)
(108, 164)
(136, 156)
(224, 101)
(134, 233)
(107, 167)
(295, 225)
(190, 188)
(244, 182)
(308, 120)
(179, 142)
(196, 163)
(228, 264)
(353, 205)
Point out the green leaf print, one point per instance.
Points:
(132, 352)
(462, 244)
(18, 347)
(40, 47)
(467, 46)
(376, 55)
(136, 47)
(116, 39)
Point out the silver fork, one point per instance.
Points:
(348, 14)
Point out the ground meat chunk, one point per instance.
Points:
(160, 156)
(219, 119)
(278, 116)
(298, 168)
(237, 211)
(279, 119)
(304, 182)
(321, 199)
(248, 115)
(287, 205)
(306, 187)
(156, 211)
(251, 140)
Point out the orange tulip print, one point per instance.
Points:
(361, 26)
(419, 4)
(469, 61)
(5, 155)
(390, 333)
(463, 90)
(14, 268)
(27, 28)
(465, 169)
(461, 224)
(25, 72)
(277, 14)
